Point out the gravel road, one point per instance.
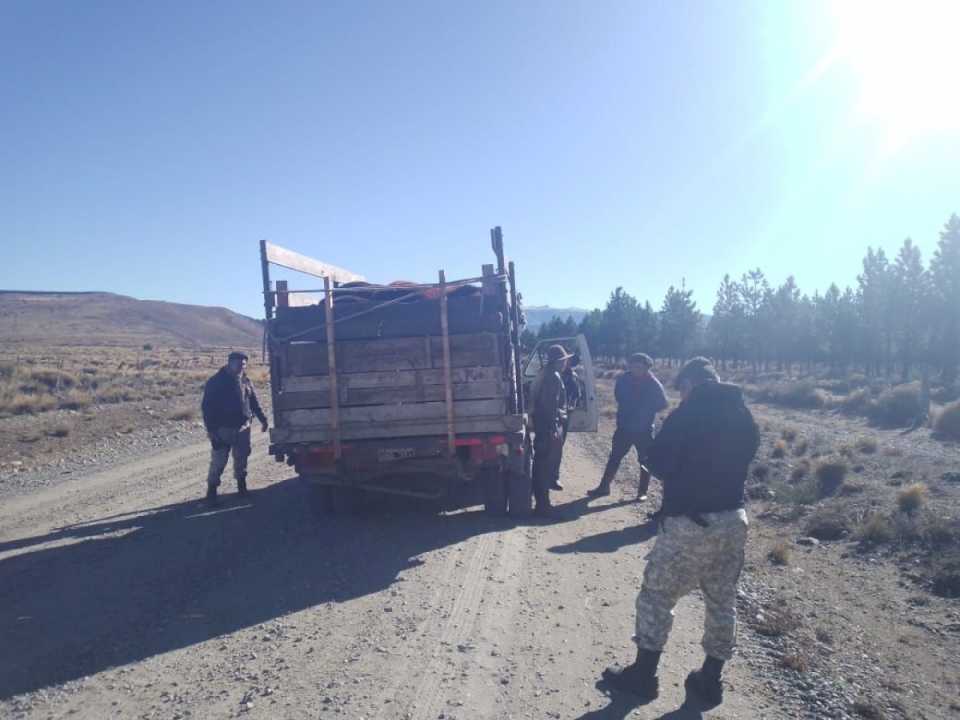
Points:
(122, 596)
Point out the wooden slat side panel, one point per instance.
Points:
(415, 428)
(391, 379)
(386, 414)
(392, 395)
(391, 354)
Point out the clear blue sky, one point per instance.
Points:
(147, 147)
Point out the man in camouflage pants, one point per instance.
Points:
(701, 455)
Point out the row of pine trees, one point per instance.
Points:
(903, 315)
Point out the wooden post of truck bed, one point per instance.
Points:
(447, 381)
(332, 367)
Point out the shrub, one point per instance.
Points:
(801, 448)
(779, 449)
(75, 400)
(948, 421)
(780, 554)
(789, 434)
(805, 492)
(796, 662)
(858, 402)
(830, 475)
(761, 472)
(802, 394)
(183, 414)
(912, 498)
(777, 622)
(801, 471)
(29, 403)
(946, 580)
(59, 431)
(52, 378)
(867, 445)
(878, 529)
(828, 525)
(897, 406)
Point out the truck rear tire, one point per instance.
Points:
(494, 492)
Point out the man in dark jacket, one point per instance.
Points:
(549, 417)
(229, 405)
(571, 384)
(639, 397)
(701, 454)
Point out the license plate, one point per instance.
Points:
(391, 454)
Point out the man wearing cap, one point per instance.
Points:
(229, 405)
(549, 418)
(701, 454)
(639, 397)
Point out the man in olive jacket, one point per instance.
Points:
(549, 419)
(701, 454)
(229, 405)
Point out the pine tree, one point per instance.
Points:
(679, 321)
(945, 281)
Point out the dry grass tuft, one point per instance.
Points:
(828, 524)
(800, 471)
(830, 475)
(777, 622)
(796, 662)
(947, 422)
(780, 554)
(912, 498)
(878, 529)
(897, 406)
(59, 431)
(183, 414)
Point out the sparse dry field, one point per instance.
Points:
(59, 401)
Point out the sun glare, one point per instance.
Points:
(906, 58)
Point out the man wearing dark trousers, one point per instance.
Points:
(701, 455)
(639, 397)
(571, 384)
(229, 406)
(549, 417)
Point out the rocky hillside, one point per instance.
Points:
(96, 318)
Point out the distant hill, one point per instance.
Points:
(539, 315)
(99, 318)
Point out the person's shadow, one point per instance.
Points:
(87, 597)
(622, 704)
(609, 541)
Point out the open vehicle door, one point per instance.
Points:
(585, 417)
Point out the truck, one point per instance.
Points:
(408, 389)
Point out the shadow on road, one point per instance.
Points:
(123, 588)
(610, 541)
(621, 705)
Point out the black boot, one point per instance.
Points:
(242, 486)
(601, 490)
(706, 683)
(211, 494)
(638, 679)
